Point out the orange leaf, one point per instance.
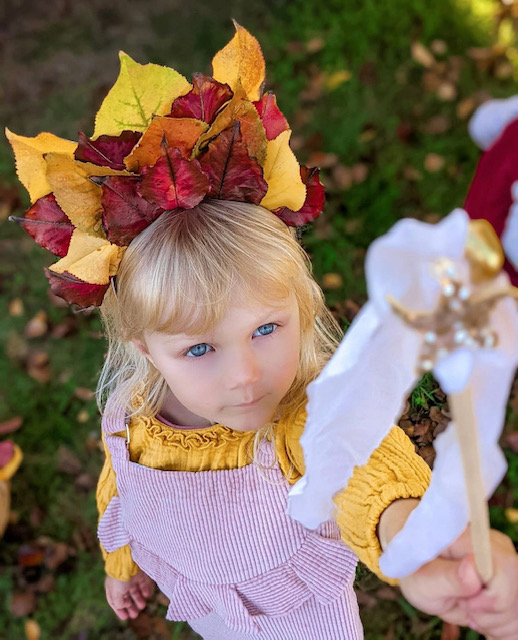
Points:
(180, 133)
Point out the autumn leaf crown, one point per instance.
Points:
(160, 143)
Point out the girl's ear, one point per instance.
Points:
(140, 346)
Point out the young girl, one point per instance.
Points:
(215, 328)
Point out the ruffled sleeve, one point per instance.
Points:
(119, 563)
(393, 471)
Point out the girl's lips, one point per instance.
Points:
(249, 404)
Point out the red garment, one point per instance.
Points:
(489, 195)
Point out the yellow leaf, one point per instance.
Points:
(241, 60)
(512, 515)
(282, 173)
(140, 92)
(181, 133)
(337, 78)
(8, 470)
(90, 259)
(75, 193)
(30, 164)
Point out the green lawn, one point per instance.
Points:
(391, 136)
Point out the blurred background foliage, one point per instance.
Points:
(378, 94)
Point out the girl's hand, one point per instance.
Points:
(128, 598)
(450, 588)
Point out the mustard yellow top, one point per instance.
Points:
(393, 471)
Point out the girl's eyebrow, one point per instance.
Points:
(201, 337)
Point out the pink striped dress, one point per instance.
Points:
(221, 547)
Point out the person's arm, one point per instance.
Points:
(379, 497)
(393, 472)
(119, 563)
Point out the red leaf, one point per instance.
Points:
(107, 151)
(75, 291)
(6, 452)
(313, 205)
(125, 214)
(174, 182)
(203, 101)
(271, 116)
(48, 224)
(233, 174)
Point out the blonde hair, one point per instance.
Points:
(179, 275)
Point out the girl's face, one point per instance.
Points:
(237, 374)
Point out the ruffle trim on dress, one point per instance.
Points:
(192, 439)
(322, 568)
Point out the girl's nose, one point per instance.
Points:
(244, 369)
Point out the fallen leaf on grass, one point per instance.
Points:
(421, 54)
(83, 416)
(365, 600)
(332, 281)
(16, 308)
(85, 482)
(387, 593)
(32, 630)
(447, 91)
(64, 328)
(466, 107)
(439, 47)
(146, 626)
(30, 555)
(68, 461)
(83, 393)
(38, 366)
(45, 584)
(55, 555)
(427, 454)
(337, 78)
(37, 326)
(450, 631)
(11, 425)
(437, 125)
(315, 44)
(511, 440)
(22, 604)
(433, 162)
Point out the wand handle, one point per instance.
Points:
(463, 414)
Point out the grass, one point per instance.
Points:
(63, 60)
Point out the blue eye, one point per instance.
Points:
(198, 350)
(266, 329)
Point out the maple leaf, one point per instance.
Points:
(174, 182)
(107, 151)
(48, 225)
(180, 133)
(203, 101)
(241, 63)
(125, 212)
(140, 92)
(313, 205)
(233, 174)
(74, 290)
(271, 116)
